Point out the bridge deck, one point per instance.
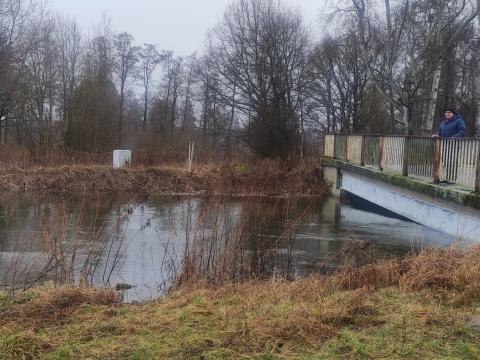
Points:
(455, 193)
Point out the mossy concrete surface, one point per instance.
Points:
(451, 193)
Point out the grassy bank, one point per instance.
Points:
(418, 307)
(261, 178)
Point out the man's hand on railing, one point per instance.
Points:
(435, 135)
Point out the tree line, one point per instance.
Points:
(262, 82)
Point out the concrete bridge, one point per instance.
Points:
(432, 181)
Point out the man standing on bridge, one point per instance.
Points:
(452, 125)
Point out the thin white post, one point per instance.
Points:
(191, 149)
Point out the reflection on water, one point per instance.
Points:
(141, 241)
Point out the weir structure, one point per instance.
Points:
(432, 181)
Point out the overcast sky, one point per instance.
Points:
(178, 25)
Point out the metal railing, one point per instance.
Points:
(454, 160)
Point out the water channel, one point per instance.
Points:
(139, 241)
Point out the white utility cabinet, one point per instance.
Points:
(122, 158)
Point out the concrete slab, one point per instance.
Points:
(451, 193)
(443, 215)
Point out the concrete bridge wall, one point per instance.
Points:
(450, 218)
(442, 215)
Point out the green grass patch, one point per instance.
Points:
(413, 309)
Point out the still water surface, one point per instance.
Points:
(140, 241)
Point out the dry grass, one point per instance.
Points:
(14, 157)
(452, 273)
(49, 304)
(400, 309)
(265, 177)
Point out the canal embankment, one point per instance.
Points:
(424, 306)
(268, 178)
(229, 297)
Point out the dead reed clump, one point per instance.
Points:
(372, 276)
(48, 304)
(228, 244)
(451, 272)
(271, 177)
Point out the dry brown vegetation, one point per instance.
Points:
(48, 305)
(263, 177)
(412, 308)
(452, 273)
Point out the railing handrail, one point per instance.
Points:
(407, 136)
(439, 158)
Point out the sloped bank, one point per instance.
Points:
(416, 308)
(261, 179)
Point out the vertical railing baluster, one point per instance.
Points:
(436, 161)
(469, 161)
(335, 146)
(477, 172)
(380, 153)
(405, 157)
(362, 152)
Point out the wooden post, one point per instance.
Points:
(437, 161)
(380, 153)
(405, 156)
(362, 152)
(477, 173)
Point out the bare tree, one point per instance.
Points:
(190, 68)
(338, 82)
(173, 67)
(126, 57)
(421, 39)
(260, 49)
(15, 42)
(40, 80)
(176, 81)
(70, 49)
(389, 61)
(476, 73)
(150, 58)
(204, 78)
(95, 100)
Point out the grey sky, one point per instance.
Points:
(178, 25)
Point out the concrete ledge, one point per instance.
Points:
(448, 192)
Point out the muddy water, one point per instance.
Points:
(141, 241)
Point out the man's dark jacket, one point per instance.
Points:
(455, 127)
